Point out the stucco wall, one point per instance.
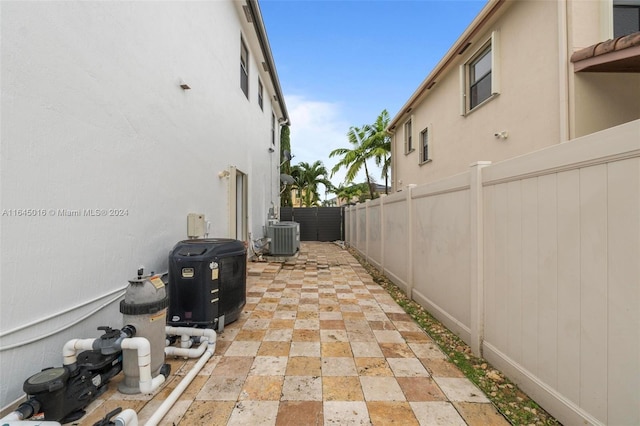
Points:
(605, 100)
(527, 106)
(93, 118)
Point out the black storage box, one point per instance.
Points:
(207, 279)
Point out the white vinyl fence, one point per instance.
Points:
(535, 263)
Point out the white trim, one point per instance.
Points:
(406, 139)
(493, 43)
(606, 23)
(463, 86)
(495, 62)
(429, 131)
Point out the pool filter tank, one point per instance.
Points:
(144, 307)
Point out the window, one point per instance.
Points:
(626, 17)
(480, 78)
(244, 68)
(408, 143)
(260, 94)
(424, 146)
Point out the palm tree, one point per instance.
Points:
(378, 144)
(307, 177)
(354, 159)
(285, 166)
(348, 193)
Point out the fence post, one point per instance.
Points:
(476, 227)
(366, 230)
(382, 232)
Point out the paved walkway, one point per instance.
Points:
(318, 343)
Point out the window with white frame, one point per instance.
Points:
(408, 142)
(260, 100)
(244, 68)
(425, 154)
(626, 17)
(479, 77)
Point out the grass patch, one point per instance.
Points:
(508, 399)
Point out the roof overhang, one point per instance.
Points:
(620, 55)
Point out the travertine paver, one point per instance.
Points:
(318, 343)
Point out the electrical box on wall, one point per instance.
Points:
(195, 225)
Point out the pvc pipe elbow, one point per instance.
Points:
(190, 353)
(70, 349)
(127, 417)
(150, 386)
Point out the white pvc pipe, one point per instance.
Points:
(185, 341)
(142, 345)
(189, 353)
(182, 386)
(127, 417)
(70, 349)
(27, 422)
(209, 333)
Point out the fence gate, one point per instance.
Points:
(316, 223)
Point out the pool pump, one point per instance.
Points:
(62, 393)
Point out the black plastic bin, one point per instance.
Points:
(207, 279)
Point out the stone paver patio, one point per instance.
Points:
(318, 343)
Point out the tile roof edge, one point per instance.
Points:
(604, 47)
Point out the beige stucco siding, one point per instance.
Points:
(527, 106)
(604, 100)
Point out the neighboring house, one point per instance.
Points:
(378, 190)
(533, 259)
(118, 120)
(523, 76)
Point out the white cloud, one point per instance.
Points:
(317, 128)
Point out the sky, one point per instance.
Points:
(342, 62)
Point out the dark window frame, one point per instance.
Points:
(408, 140)
(244, 68)
(424, 145)
(618, 30)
